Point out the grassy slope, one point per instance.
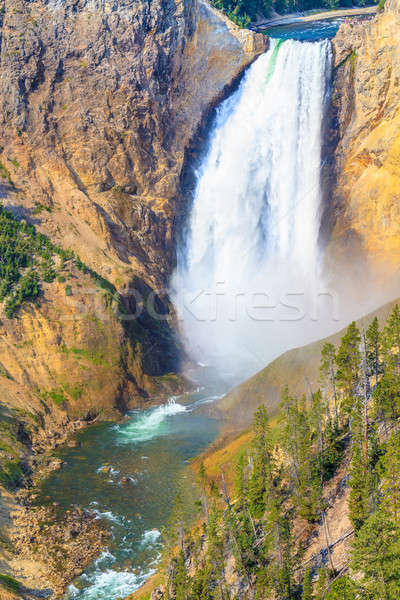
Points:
(298, 368)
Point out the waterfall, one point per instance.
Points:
(247, 282)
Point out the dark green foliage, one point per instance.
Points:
(390, 472)
(328, 372)
(343, 588)
(307, 585)
(11, 474)
(180, 580)
(281, 477)
(373, 343)
(9, 583)
(348, 361)
(391, 341)
(376, 554)
(28, 260)
(261, 476)
(321, 587)
(386, 397)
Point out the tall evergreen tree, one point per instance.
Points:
(373, 342)
(263, 464)
(348, 361)
(376, 554)
(307, 585)
(321, 587)
(391, 340)
(328, 373)
(358, 498)
(386, 397)
(343, 588)
(390, 473)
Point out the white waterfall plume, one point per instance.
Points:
(247, 284)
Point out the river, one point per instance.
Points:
(129, 474)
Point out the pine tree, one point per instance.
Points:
(261, 476)
(348, 361)
(376, 553)
(391, 340)
(386, 397)
(241, 480)
(358, 497)
(322, 584)
(307, 585)
(373, 343)
(180, 580)
(343, 588)
(280, 541)
(390, 473)
(328, 372)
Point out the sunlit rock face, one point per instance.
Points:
(366, 98)
(99, 103)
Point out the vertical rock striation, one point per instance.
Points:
(366, 100)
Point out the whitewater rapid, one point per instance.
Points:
(247, 284)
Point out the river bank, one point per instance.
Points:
(313, 15)
(36, 540)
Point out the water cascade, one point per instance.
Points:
(248, 284)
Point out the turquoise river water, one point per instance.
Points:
(152, 448)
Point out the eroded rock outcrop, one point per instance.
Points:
(99, 103)
(366, 100)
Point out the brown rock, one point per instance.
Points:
(366, 100)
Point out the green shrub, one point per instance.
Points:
(11, 474)
(9, 583)
(68, 290)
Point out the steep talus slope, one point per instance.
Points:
(366, 103)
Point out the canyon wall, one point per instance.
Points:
(99, 103)
(366, 194)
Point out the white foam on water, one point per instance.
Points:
(104, 556)
(108, 515)
(108, 585)
(149, 424)
(150, 537)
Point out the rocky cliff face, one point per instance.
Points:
(366, 101)
(99, 103)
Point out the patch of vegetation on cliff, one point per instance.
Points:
(14, 437)
(11, 474)
(28, 258)
(10, 584)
